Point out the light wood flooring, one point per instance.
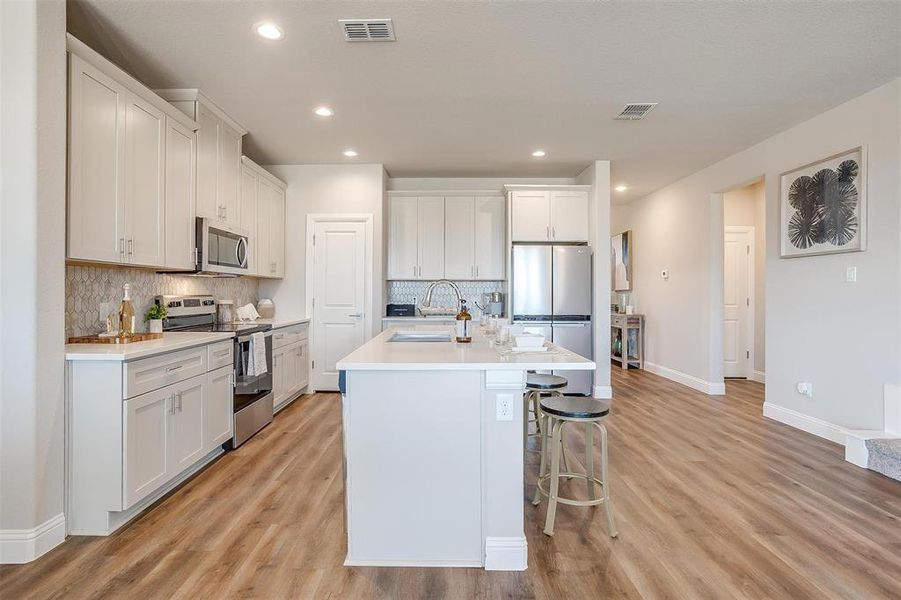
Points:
(712, 501)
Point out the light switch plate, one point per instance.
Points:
(851, 274)
(505, 407)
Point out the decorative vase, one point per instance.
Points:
(156, 325)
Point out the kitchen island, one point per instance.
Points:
(433, 445)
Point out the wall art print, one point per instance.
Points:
(823, 206)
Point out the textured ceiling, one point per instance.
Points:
(469, 89)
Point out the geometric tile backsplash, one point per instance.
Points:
(88, 288)
(404, 292)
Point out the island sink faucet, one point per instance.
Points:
(426, 307)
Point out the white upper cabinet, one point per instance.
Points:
(431, 237)
(531, 216)
(263, 206)
(96, 203)
(569, 216)
(117, 172)
(451, 237)
(180, 160)
(490, 243)
(459, 238)
(248, 211)
(207, 163)
(474, 238)
(218, 155)
(416, 238)
(550, 215)
(403, 238)
(230, 174)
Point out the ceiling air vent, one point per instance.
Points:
(367, 30)
(635, 111)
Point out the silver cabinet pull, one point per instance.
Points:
(131, 246)
(178, 397)
(547, 231)
(356, 316)
(477, 270)
(171, 410)
(122, 246)
(554, 232)
(175, 368)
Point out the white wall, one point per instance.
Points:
(842, 337)
(332, 189)
(32, 296)
(470, 183)
(597, 175)
(746, 206)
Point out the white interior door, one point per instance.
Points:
(737, 272)
(339, 279)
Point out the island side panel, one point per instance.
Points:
(413, 446)
(502, 471)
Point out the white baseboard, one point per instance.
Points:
(400, 562)
(696, 383)
(506, 554)
(818, 427)
(19, 546)
(604, 392)
(758, 376)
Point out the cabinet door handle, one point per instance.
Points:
(122, 246)
(477, 270)
(554, 232)
(547, 231)
(172, 404)
(131, 246)
(233, 378)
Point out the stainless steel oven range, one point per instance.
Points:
(253, 395)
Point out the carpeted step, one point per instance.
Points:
(884, 456)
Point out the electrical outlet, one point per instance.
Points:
(851, 274)
(505, 407)
(665, 274)
(805, 388)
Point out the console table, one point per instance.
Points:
(634, 353)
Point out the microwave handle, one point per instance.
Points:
(242, 241)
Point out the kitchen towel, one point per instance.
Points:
(256, 365)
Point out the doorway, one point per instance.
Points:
(744, 261)
(339, 281)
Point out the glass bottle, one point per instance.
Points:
(126, 315)
(464, 324)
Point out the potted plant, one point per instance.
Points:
(154, 317)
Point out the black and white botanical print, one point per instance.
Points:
(823, 211)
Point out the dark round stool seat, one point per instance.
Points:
(575, 407)
(537, 381)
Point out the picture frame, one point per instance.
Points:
(823, 206)
(621, 261)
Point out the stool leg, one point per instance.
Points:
(555, 478)
(537, 410)
(608, 503)
(589, 458)
(536, 500)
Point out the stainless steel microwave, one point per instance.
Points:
(220, 248)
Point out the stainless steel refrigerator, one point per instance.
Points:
(552, 296)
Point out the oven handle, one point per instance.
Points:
(246, 338)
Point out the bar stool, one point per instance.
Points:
(556, 412)
(536, 385)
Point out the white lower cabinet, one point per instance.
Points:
(133, 435)
(291, 363)
(218, 408)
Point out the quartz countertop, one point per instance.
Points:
(279, 323)
(378, 354)
(171, 341)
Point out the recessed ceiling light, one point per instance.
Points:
(350, 153)
(270, 31)
(324, 111)
(621, 188)
(539, 153)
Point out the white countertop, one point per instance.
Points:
(378, 354)
(279, 323)
(421, 319)
(175, 340)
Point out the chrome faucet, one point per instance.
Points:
(427, 301)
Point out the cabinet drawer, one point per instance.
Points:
(220, 355)
(148, 374)
(289, 335)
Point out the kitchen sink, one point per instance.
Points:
(421, 336)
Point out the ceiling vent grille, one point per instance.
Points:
(367, 30)
(635, 111)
